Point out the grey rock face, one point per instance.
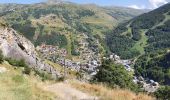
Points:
(17, 47)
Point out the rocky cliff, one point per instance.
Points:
(17, 47)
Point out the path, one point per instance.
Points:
(66, 92)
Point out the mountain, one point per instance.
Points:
(146, 33)
(60, 24)
(72, 36)
(146, 39)
(29, 77)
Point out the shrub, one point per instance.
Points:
(27, 70)
(163, 93)
(1, 57)
(60, 79)
(44, 75)
(18, 63)
(115, 75)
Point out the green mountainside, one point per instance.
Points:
(146, 39)
(146, 33)
(61, 24)
(154, 66)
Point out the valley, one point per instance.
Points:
(68, 34)
(60, 50)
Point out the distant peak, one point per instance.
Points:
(54, 1)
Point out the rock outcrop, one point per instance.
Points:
(17, 47)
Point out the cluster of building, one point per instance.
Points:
(88, 60)
(118, 60)
(87, 53)
(89, 67)
(51, 52)
(147, 84)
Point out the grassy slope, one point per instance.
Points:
(16, 86)
(105, 93)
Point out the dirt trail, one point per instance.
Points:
(66, 92)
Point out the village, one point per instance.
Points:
(88, 60)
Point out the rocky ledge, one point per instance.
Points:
(17, 47)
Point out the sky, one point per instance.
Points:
(137, 4)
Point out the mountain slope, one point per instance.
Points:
(146, 39)
(145, 33)
(154, 66)
(56, 24)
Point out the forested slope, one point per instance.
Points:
(146, 33)
(145, 38)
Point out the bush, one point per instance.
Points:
(60, 79)
(44, 75)
(115, 75)
(27, 70)
(163, 93)
(1, 57)
(21, 63)
(18, 63)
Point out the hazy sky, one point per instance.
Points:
(138, 4)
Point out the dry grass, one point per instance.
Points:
(16, 86)
(106, 93)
